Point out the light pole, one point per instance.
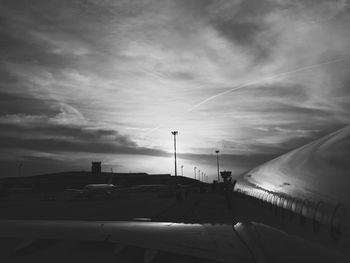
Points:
(217, 162)
(195, 172)
(182, 170)
(175, 133)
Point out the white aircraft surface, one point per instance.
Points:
(92, 190)
(291, 209)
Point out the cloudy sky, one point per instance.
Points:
(108, 80)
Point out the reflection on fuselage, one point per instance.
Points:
(310, 182)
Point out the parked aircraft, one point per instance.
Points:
(93, 190)
(291, 209)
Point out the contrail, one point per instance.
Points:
(252, 83)
(264, 79)
(151, 130)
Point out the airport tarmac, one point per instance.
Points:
(202, 208)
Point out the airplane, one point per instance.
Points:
(290, 209)
(107, 190)
(93, 190)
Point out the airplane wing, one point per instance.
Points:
(217, 242)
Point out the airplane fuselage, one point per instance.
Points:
(100, 187)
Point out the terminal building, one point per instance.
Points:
(74, 179)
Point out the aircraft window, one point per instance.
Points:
(280, 201)
(290, 207)
(303, 211)
(258, 195)
(305, 207)
(265, 196)
(254, 193)
(275, 203)
(283, 200)
(318, 215)
(296, 207)
(270, 199)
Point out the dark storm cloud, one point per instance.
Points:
(57, 138)
(247, 23)
(51, 37)
(51, 34)
(232, 159)
(33, 165)
(24, 104)
(241, 22)
(61, 145)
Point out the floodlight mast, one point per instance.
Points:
(175, 133)
(217, 162)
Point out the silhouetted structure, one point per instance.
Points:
(175, 133)
(95, 170)
(217, 163)
(226, 175)
(64, 180)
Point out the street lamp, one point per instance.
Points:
(217, 162)
(195, 172)
(175, 133)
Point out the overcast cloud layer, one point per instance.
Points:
(108, 80)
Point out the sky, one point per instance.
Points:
(108, 80)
